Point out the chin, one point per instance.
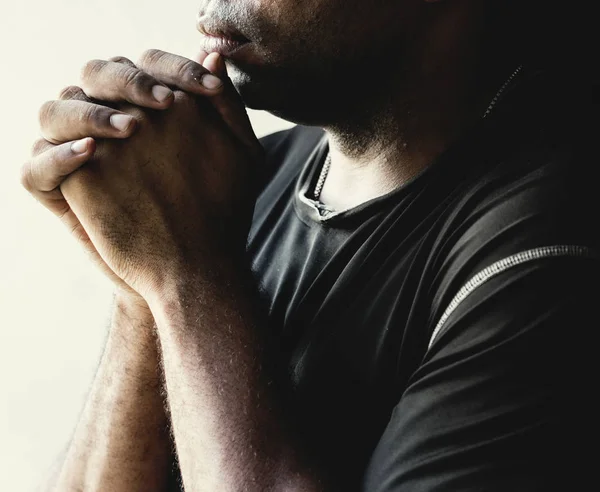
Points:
(249, 90)
(283, 97)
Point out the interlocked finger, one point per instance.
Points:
(43, 173)
(64, 121)
(122, 81)
(74, 93)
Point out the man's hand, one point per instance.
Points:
(178, 192)
(79, 114)
(69, 127)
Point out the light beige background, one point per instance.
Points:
(54, 306)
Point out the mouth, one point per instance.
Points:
(221, 38)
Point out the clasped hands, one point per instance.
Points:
(150, 166)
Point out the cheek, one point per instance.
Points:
(287, 18)
(312, 33)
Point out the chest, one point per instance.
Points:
(345, 305)
(348, 311)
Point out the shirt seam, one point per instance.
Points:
(501, 266)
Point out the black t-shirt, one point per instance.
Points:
(442, 337)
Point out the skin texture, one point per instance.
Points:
(163, 204)
(125, 400)
(310, 50)
(128, 392)
(186, 162)
(391, 95)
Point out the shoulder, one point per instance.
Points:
(536, 196)
(539, 200)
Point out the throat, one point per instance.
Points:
(386, 146)
(387, 164)
(347, 186)
(389, 149)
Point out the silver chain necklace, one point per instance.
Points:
(488, 111)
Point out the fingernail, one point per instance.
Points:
(79, 147)
(121, 121)
(211, 82)
(161, 93)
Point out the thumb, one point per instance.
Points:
(228, 102)
(200, 57)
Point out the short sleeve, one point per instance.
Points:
(505, 399)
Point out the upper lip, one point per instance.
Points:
(213, 28)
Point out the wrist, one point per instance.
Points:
(213, 289)
(132, 304)
(195, 281)
(133, 326)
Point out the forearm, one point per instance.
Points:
(122, 442)
(230, 426)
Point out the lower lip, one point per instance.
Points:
(229, 48)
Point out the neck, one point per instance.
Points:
(413, 117)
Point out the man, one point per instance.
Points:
(401, 302)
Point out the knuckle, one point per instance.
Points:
(93, 116)
(134, 80)
(121, 59)
(188, 70)
(71, 92)
(39, 146)
(63, 211)
(25, 176)
(150, 57)
(90, 70)
(47, 112)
